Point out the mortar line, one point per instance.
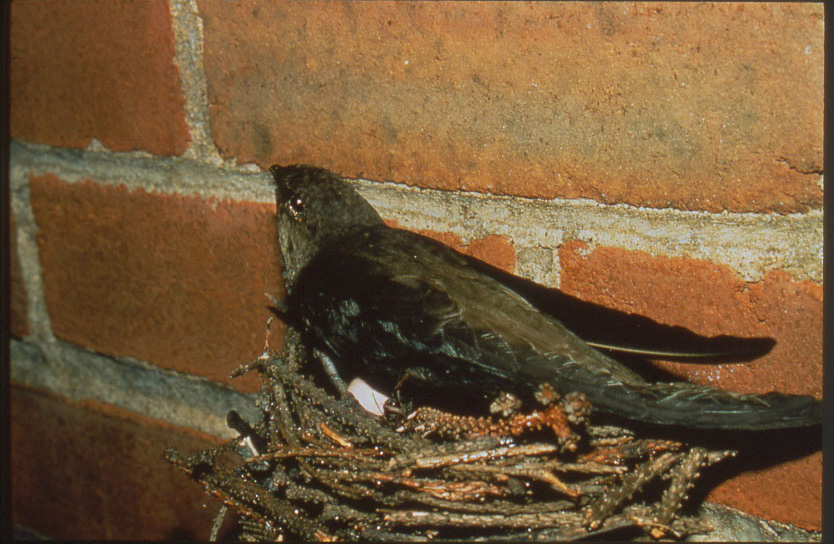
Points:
(752, 244)
(176, 398)
(27, 249)
(188, 39)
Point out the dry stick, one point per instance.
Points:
(455, 491)
(307, 417)
(485, 455)
(243, 494)
(361, 455)
(334, 436)
(246, 493)
(218, 521)
(541, 474)
(631, 483)
(497, 506)
(285, 425)
(294, 491)
(565, 526)
(397, 498)
(457, 519)
(261, 532)
(567, 534)
(347, 471)
(681, 482)
(584, 468)
(347, 411)
(443, 489)
(440, 461)
(614, 523)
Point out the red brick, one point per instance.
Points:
(176, 281)
(790, 492)
(18, 302)
(92, 471)
(695, 106)
(495, 250)
(105, 70)
(710, 300)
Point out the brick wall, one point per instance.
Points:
(664, 159)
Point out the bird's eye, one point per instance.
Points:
(296, 208)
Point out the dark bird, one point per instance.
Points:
(395, 307)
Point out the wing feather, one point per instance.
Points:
(435, 311)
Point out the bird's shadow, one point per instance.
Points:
(595, 323)
(598, 324)
(754, 449)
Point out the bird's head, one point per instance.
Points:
(315, 207)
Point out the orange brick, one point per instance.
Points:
(789, 492)
(175, 281)
(18, 304)
(695, 106)
(710, 300)
(105, 70)
(92, 471)
(495, 250)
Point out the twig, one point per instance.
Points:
(321, 468)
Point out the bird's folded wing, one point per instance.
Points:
(433, 307)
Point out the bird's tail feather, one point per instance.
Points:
(703, 407)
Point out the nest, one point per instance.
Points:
(321, 468)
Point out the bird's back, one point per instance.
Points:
(385, 300)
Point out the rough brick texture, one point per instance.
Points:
(175, 281)
(694, 106)
(105, 70)
(712, 300)
(18, 305)
(91, 471)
